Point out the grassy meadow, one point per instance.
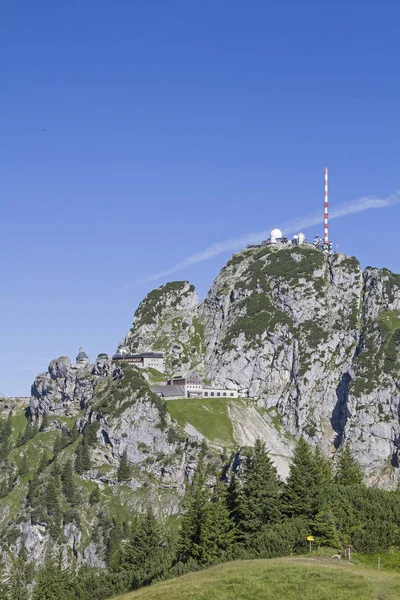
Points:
(302, 578)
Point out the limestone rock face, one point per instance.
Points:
(166, 320)
(66, 389)
(318, 339)
(309, 335)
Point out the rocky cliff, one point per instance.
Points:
(309, 344)
(311, 336)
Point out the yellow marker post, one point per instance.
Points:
(310, 539)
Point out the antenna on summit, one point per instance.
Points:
(326, 234)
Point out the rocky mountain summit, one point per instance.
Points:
(309, 335)
(309, 344)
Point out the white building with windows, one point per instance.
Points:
(144, 360)
(191, 385)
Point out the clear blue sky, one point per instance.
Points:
(134, 133)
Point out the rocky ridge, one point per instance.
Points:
(311, 339)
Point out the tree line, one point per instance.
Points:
(249, 513)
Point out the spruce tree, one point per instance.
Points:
(218, 532)
(78, 460)
(124, 472)
(44, 462)
(53, 499)
(86, 464)
(6, 429)
(94, 496)
(57, 446)
(194, 518)
(145, 556)
(323, 470)
(51, 582)
(45, 423)
(18, 588)
(68, 484)
(348, 470)
(4, 583)
(258, 499)
(23, 468)
(300, 491)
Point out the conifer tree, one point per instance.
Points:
(85, 460)
(193, 520)
(123, 472)
(232, 499)
(52, 498)
(258, 499)
(144, 554)
(68, 484)
(113, 550)
(45, 423)
(78, 460)
(94, 496)
(28, 434)
(57, 446)
(300, 491)
(51, 582)
(23, 468)
(6, 429)
(323, 469)
(4, 582)
(348, 470)
(44, 462)
(18, 588)
(218, 532)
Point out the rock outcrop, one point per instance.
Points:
(308, 334)
(310, 339)
(67, 388)
(167, 320)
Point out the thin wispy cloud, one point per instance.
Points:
(288, 228)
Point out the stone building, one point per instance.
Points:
(144, 360)
(82, 358)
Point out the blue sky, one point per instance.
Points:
(136, 133)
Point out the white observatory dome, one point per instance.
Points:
(276, 234)
(302, 238)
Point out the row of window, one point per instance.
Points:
(219, 394)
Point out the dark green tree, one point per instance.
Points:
(299, 498)
(57, 446)
(218, 533)
(258, 499)
(18, 588)
(68, 483)
(23, 468)
(29, 433)
(52, 583)
(78, 460)
(86, 463)
(94, 496)
(348, 470)
(124, 472)
(194, 518)
(44, 462)
(52, 497)
(45, 423)
(145, 555)
(323, 470)
(4, 582)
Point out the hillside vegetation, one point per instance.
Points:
(282, 579)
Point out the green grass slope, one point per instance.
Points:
(208, 415)
(278, 579)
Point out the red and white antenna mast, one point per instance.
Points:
(326, 234)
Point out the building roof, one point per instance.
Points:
(168, 390)
(119, 355)
(82, 355)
